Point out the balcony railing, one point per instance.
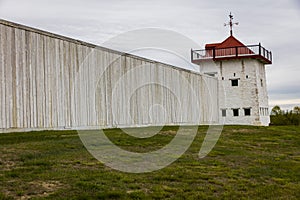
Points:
(250, 51)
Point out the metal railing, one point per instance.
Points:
(231, 52)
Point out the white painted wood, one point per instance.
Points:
(52, 82)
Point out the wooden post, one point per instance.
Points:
(236, 52)
(259, 49)
(214, 53)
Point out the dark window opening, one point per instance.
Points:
(261, 83)
(233, 74)
(223, 113)
(210, 74)
(247, 76)
(247, 111)
(259, 111)
(235, 82)
(223, 78)
(235, 112)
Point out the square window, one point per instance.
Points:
(223, 112)
(247, 111)
(235, 112)
(235, 82)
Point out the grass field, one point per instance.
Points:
(247, 163)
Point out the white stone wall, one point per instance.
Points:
(263, 99)
(53, 82)
(251, 91)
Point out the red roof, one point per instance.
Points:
(211, 46)
(229, 42)
(227, 48)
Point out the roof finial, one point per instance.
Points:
(231, 23)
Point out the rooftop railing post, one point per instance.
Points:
(240, 51)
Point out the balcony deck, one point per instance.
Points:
(251, 51)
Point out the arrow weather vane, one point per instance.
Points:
(231, 23)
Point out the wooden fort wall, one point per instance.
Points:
(54, 82)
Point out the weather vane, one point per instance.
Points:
(231, 23)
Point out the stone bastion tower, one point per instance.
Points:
(240, 69)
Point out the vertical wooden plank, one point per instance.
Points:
(8, 76)
(23, 86)
(27, 79)
(77, 86)
(105, 85)
(51, 81)
(55, 84)
(18, 79)
(45, 82)
(28, 90)
(86, 72)
(66, 82)
(34, 80)
(101, 100)
(40, 81)
(2, 79)
(71, 83)
(13, 54)
(89, 88)
(60, 87)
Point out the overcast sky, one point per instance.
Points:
(274, 23)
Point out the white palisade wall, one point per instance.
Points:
(53, 82)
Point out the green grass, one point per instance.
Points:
(247, 163)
